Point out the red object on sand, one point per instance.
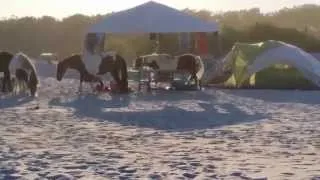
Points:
(113, 85)
(100, 88)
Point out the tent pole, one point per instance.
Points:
(157, 43)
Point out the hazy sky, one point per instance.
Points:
(63, 8)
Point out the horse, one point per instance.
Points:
(115, 64)
(191, 64)
(5, 58)
(75, 62)
(185, 63)
(25, 72)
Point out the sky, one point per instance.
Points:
(63, 8)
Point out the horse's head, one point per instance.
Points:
(107, 64)
(61, 70)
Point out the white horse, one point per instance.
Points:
(25, 72)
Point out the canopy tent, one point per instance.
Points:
(316, 55)
(152, 17)
(246, 59)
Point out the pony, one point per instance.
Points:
(5, 58)
(75, 62)
(115, 64)
(25, 72)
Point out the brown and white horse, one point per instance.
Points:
(25, 72)
(75, 62)
(113, 63)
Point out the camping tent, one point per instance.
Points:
(246, 59)
(152, 17)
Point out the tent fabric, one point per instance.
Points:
(202, 43)
(316, 55)
(184, 42)
(152, 17)
(247, 59)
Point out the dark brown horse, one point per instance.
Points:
(75, 62)
(5, 58)
(116, 65)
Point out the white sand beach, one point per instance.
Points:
(212, 134)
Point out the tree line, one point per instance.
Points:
(298, 25)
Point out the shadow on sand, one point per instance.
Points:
(170, 117)
(279, 96)
(13, 101)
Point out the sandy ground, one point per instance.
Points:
(212, 134)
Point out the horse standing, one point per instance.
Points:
(116, 65)
(25, 72)
(75, 62)
(5, 58)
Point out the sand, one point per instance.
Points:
(212, 134)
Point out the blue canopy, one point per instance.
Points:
(152, 17)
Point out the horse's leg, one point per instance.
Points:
(16, 87)
(9, 82)
(6, 83)
(80, 87)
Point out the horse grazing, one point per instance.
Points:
(5, 58)
(75, 62)
(25, 72)
(116, 65)
(191, 64)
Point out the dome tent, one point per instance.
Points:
(246, 59)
